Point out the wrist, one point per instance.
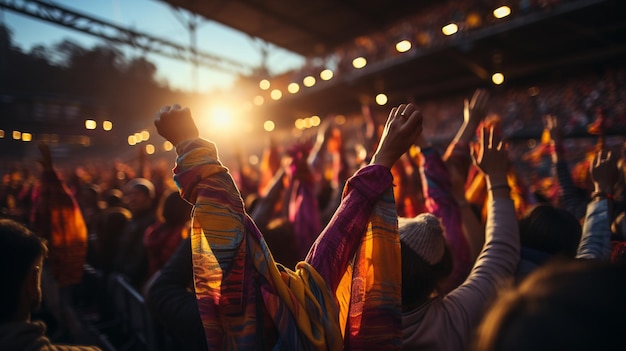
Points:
(382, 161)
(598, 195)
(603, 189)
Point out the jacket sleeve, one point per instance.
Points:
(595, 242)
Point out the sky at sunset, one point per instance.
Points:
(158, 19)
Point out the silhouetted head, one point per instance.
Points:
(573, 305)
(173, 209)
(551, 230)
(21, 262)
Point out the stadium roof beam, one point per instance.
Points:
(114, 33)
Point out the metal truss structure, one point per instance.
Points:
(53, 13)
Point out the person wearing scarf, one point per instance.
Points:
(247, 300)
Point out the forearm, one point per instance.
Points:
(494, 266)
(595, 242)
(218, 207)
(441, 203)
(337, 244)
(571, 198)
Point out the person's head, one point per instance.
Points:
(551, 230)
(426, 258)
(89, 196)
(21, 260)
(140, 195)
(173, 209)
(114, 198)
(573, 305)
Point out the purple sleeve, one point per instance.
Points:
(338, 242)
(441, 203)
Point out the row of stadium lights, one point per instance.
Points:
(18, 135)
(360, 62)
(144, 136)
(90, 124)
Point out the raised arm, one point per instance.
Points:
(500, 254)
(59, 220)
(458, 161)
(337, 244)
(570, 199)
(595, 242)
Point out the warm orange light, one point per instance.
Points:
(149, 149)
(269, 126)
(276, 94)
(132, 140)
(309, 81)
(497, 78)
(450, 29)
(264, 84)
(293, 88)
(17, 135)
(359, 62)
(167, 146)
(326, 74)
(145, 135)
(27, 137)
(315, 121)
(381, 99)
(403, 46)
(107, 125)
(501, 12)
(90, 124)
(258, 100)
(299, 123)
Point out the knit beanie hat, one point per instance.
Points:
(424, 235)
(144, 184)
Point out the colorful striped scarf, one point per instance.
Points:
(369, 293)
(237, 281)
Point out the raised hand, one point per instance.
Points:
(46, 156)
(604, 171)
(175, 124)
(492, 157)
(475, 110)
(551, 124)
(402, 129)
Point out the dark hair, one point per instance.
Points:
(419, 278)
(564, 305)
(19, 249)
(551, 230)
(173, 209)
(114, 198)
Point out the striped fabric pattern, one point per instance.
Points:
(236, 278)
(369, 293)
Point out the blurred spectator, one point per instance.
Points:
(131, 260)
(564, 305)
(162, 238)
(22, 256)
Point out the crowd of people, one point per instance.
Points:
(372, 236)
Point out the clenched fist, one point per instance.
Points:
(175, 124)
